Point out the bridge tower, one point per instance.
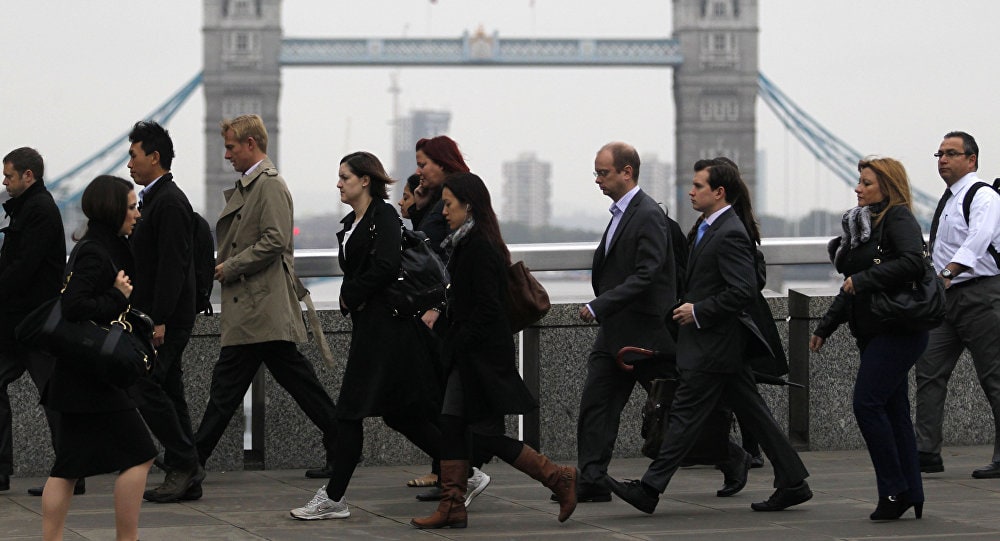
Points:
(242, 75)
(715, 89)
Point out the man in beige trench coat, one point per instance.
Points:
(261, 316)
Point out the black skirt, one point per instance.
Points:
(105, 442)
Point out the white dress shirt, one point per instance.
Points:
(967, 243)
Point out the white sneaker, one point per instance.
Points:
(322, 507)
(476, 485)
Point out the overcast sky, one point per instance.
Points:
(889, 77)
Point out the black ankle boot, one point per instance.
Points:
(893, 507)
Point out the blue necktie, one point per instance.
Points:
(701, 232)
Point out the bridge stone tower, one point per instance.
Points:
(242, 75)
(715, 89)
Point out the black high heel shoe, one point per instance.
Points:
(893, 507)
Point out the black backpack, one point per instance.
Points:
(203, 252)
(679, 244)
(967, 207)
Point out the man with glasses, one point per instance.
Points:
(633, 277)
(962, 240)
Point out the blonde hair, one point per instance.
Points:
(247, 126)
(893, 182)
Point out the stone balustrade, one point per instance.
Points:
(553, 357)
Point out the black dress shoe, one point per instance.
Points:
(931, 462)
(588, 494)
(783, 498)
(736, 473)
(989, 471)
(893, 507)
(79, 488)
(638, 495)
(4, 482)
(757, 462)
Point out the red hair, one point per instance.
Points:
(443, 150)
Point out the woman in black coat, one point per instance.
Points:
(479, 357)
(100, 429)
(881, 248)
(385, 375)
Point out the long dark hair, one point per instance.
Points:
(737, 195)
(469, 189)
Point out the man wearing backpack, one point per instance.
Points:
(165, 290)
(964, 229)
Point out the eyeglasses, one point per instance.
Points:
(602, 173)
(951, 154)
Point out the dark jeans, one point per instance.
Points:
(163, 405)
(233, 374)
(15, 359)
(882, 408)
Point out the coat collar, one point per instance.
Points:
(235, 196)
(13, 205)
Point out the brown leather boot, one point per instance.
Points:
(561, 480)
(451, 511)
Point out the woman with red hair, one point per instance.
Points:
(437, 157)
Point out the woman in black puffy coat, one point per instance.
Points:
(100, 430)
(478, 357)
(881, 249)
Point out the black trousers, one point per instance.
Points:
(162, 403)
(233, 374)
(698, 394)
(15, 359)
(350, 441)
(605, 393)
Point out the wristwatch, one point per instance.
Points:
(947, 274)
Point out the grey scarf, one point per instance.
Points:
(451, 241)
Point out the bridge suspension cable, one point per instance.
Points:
(833, 152)
(68, 187)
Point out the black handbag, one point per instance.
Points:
(423, 279)
(915, 306)
(120, 351)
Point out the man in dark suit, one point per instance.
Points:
(31, 272)
(634, 282)
(165, 290)
(716, 337)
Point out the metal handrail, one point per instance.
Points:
(570, 256)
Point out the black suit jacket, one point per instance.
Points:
(722, 284)
(162, 243)
(635, 282)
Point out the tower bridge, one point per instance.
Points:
(712, 51)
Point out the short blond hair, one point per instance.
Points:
(247, 126)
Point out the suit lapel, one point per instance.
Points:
(623, 223)
(706, 239)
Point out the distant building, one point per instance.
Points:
(656, 178)
(409, 130)
(527, 191)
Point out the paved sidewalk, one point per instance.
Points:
(254, 506)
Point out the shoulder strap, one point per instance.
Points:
(967, 208)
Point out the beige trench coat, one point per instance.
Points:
(255, 246)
